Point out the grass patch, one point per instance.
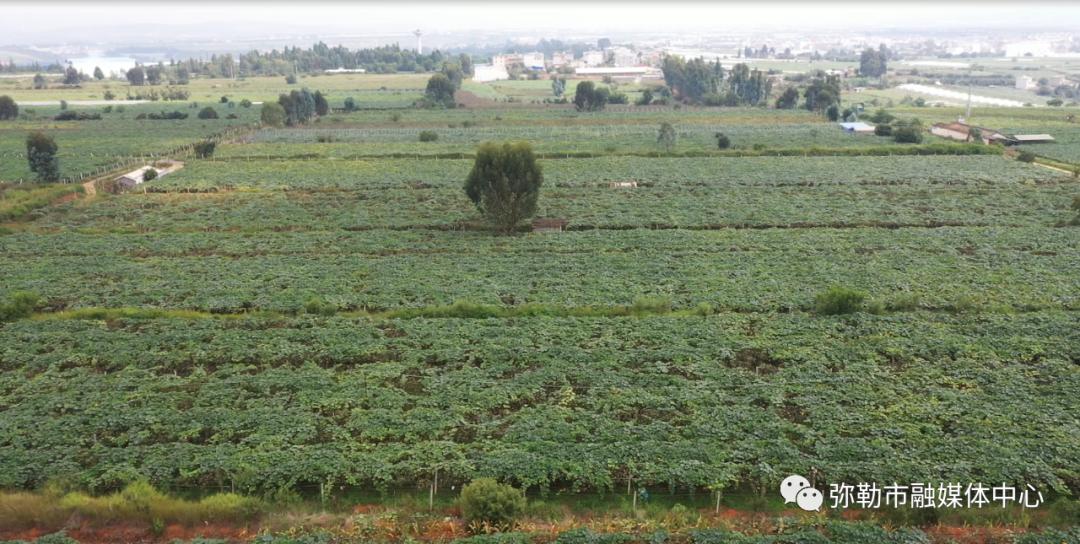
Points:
(17, 202)
(138, 502)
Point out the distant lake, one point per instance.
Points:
(109, 65)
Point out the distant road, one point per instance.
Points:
(960, 97)
(80, 102)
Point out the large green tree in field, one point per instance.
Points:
(440, 91)
(41, 154)
(136, 76)
(873, 63)
(98, 74)
(504, 184)
(589, 97)
(8, 108)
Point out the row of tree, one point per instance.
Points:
(701, 82)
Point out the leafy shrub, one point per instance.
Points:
(583, 535)
(290, 79)
(428, 136)
(150, 175)
(318, 306)
(651, 305)
(72, 115)
(56, 538)
(205, 149)
(163, 116)
(245, 103)
(324, 138)
(722, 141)
(883, 130)
(208, 113)
(838, 301)
(350, 104)
(496, 538)
(487, 502)
(906, 135)
(1025, 156)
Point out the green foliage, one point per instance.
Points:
(18, 304)
(645, 99)
(8, 108)
(667, 137)
(428, 136)
(883, 130)
(208, 113)
(272, 114)
(838, 301)
(350, 104)
(318, 306)
(873, 62)
(20, 201)
(832, 113)
(504, 184)
(588, 97)
(789, 99)
(322, 107)
(908, 132)
(245, 103)
(299, 106)
(722, 141)
(205, 149)
(1025, 156)
(41, 155)
(486, 502)
(440, 91)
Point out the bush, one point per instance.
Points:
(1025, 156)
(428, 136)
(205, 149)
(8, 108)
(722, 141)
(245, 103)
(71, 115)
(272, 114)
(318, 306)
(883, 130)
(150, 175)
(486, 502)
(208, 113)
(838, 301)
(907, 135)
(290, 79)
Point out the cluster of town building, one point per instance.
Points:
(614, 61)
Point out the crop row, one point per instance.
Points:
(445, 206)
(727, 400)
(744, 270)
(731, 172)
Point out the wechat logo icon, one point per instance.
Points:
(796, 489)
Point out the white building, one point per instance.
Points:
(593, 58)
(490, 72)
(561, 59)
(623, 56)
(533, 61)
(1024, 83)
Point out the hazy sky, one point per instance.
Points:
(52, 22)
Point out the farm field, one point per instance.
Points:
(86, 147)
(302, 320)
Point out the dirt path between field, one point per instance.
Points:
(1062, 170)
